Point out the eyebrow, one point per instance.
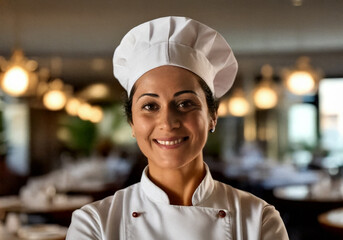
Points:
(185, 91)
(148, 94)
(175, 95)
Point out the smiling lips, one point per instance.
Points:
(171, 142)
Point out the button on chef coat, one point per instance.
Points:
(143, 211)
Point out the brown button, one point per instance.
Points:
(135, 214)
(221, 214)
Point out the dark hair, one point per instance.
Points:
(212, 103)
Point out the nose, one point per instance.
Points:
(168, 119)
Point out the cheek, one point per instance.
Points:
(199, 123)
(141, 127)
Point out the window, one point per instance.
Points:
(331, 113)
(302, 125)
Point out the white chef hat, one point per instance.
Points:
(176, 41)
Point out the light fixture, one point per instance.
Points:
(72, 106)
(237, 104)
(303, 79)
(222, 109)
(19, 78)
(97, 114)
(87, 112)
(95, 92)
(265, 97)
(55, 98)
(84, 111)
(16, 81)
(265, 94)
(300, 82)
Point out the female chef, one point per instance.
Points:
(173, 69)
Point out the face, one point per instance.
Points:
(170, 117)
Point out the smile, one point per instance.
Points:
(170, 142)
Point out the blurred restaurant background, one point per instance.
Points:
(64, 139)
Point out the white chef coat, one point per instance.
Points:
(143, 211)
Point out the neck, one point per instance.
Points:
(180, 183)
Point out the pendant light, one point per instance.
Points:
(18, 77)
(72, 106)
(265, 94)
(237, 104)
(57, 94)
(223, 109)
(302, 79)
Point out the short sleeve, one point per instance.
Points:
(84, 226)
(272, 225)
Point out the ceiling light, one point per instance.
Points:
(222, 109)
(237, 104)
(72, 106)
(302, 79)
(85, 111)
(97, 114)
(301, 82)
(265, 94)
(54, 100)
(15, 81)
(19, 76)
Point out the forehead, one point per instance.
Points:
(167, 78)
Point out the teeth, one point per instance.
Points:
(169, 143)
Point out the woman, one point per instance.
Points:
(173, 69)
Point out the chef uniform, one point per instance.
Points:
(143, 211)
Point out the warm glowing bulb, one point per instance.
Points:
(85, 111)
(72, 106)
(265, 98)
(97, 114)
(301, 82)
(238, 106)
(54, 100)
(16, 81)
(222, 109)
(98, 91)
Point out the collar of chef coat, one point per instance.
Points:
(156, 194)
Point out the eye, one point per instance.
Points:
(186, 104)
(150, 107)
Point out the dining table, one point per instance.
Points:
(16, 212)
(35, 232)
(301, 205)
(325, 191)
(332, 221)
(59, 203)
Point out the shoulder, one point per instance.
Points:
(92, 220)
(246, 204)
(102, 206)
(254, 213)
(240, 197)
(99, 210)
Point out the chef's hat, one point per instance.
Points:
(176, 41)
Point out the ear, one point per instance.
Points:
(132, 130)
